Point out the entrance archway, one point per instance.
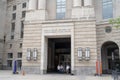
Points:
(59, 53)
(110, 57)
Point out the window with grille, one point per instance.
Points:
(22, 29)
(13, 16)
(107, 9)
(61, 9)
(24, 5)
(14, 7)
(19, 54)
(10, 55)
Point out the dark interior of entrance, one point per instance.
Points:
(59, 52)
(110, 57)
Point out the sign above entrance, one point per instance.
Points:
(57, 30)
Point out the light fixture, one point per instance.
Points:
(87, 53)
(28, 54)
(80, 54)
(35, 54)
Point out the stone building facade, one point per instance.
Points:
(2, 24)
(13, 32)
(74, 32)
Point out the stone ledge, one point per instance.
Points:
(85, 70)
(31, 70)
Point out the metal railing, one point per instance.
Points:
(115, 75)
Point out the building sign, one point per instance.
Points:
(57, 30)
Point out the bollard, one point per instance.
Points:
(23, 73)
(98, 68)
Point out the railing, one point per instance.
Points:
(115, 75)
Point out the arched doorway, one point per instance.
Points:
(110, 57)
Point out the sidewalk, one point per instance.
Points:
(7, 75)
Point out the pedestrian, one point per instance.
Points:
(67, 69)
(61, 68)
(58, 68)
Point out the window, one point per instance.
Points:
(13, 16)
(10, 55)
(13, 27)
(12, 30)
(14, 7)
(19, 64)
(9, 63)
(82, 2)
(22, 29)
(107, 9)
(19, 55)
(61, 9)
(12, 36)
(20, 45)
(108, 29)
(23, 14)
(10, 46)
(24, 5)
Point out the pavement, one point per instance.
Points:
(7, 75)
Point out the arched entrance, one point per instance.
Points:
(110, 57)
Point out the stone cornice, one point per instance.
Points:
(102, 23)
(57, 21)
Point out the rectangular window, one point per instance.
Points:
(23, 14)
(12, 36)
(19, 64)
(14, 7)
(20, 45)
(24, 5)
(13, 27)
(12, 30)
(10, 46)
(9, 63)
(107, 9)
(10, 55)
(13, 16)
(61, 9)
(19, 55)
(82, 1)
(22, 29)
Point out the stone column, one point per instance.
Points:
(87, 2)
(42, 4)
(32, 4)
(76, 8)
(77, 3)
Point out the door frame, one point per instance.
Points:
(47, 33)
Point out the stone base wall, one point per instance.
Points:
(0, 66)
(85, 70)
(4, 67)
(31, 69)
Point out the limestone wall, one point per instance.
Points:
(103, 36)
(32, 39)
(17, 40)
(84, 33)
(2, 25)
(85, 36)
